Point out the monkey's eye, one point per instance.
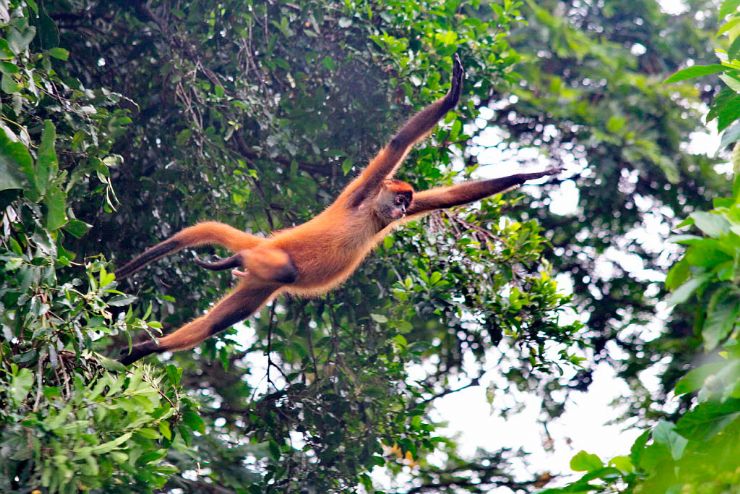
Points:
(400, 200)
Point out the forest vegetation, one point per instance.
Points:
(124, 121)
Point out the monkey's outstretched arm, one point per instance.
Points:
(384, 165)
(455, 195)
(249, 296)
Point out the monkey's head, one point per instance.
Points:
(393, 200)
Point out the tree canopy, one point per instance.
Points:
(125, 121)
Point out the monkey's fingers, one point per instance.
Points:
(239, 273)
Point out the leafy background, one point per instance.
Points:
(126, 121)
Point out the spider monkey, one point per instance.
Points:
(312, 258)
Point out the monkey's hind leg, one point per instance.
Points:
(247, 298)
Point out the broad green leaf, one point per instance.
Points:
(722, 313)
(20, 385)
(711, 224)
(16, 165)
(59, 53)
(695, 71)
(111, 445)
(9, 85)
(683, 292)
(664, 433)
(56, 208)
(77, 228)
(585, 462)
(731, 135)
(194, 421)
(623, 463)
(5, 52)
(678, 274)
(728, 7)
(728, 26)
(46, 164)
(731, 82)
(707, 419)
(695, 378)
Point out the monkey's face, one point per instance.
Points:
(392, 203)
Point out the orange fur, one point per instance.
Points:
(312, 258)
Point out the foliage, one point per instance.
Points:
(697, 453)
(70, 419)
(254, 122)
(256, 114)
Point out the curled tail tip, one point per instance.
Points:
(234, 261)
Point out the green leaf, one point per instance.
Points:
(9, 85)
(682, 293)
(173, 374)
(585, 462)
(664, 433)
(695, 378)
(151, 456)
(711, 224)
(731, 135)
(77, 228)
(194, 421)
(728, 26)
(56, 204)
(59, 53)
(164, 429)
(16, 165)
(707, 419)
(623, 463)
(678, 274)
(379, 318)
(46, 163)
(111, 445)
(722, 313)
(47, 29)
(728, 7)
(122, 300)
(21, 385)
(615, 124)
(5, 52)
(695, 71)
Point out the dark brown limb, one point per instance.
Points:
(248, 297)
(467, 192)
(383, 166)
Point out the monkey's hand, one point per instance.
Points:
(458, 73)
(239, 273)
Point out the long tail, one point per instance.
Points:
(237, 306)
(209, 232)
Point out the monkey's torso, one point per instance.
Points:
(323, 255)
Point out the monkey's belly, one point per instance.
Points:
(324, 273)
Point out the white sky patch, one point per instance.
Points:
(673, 7)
